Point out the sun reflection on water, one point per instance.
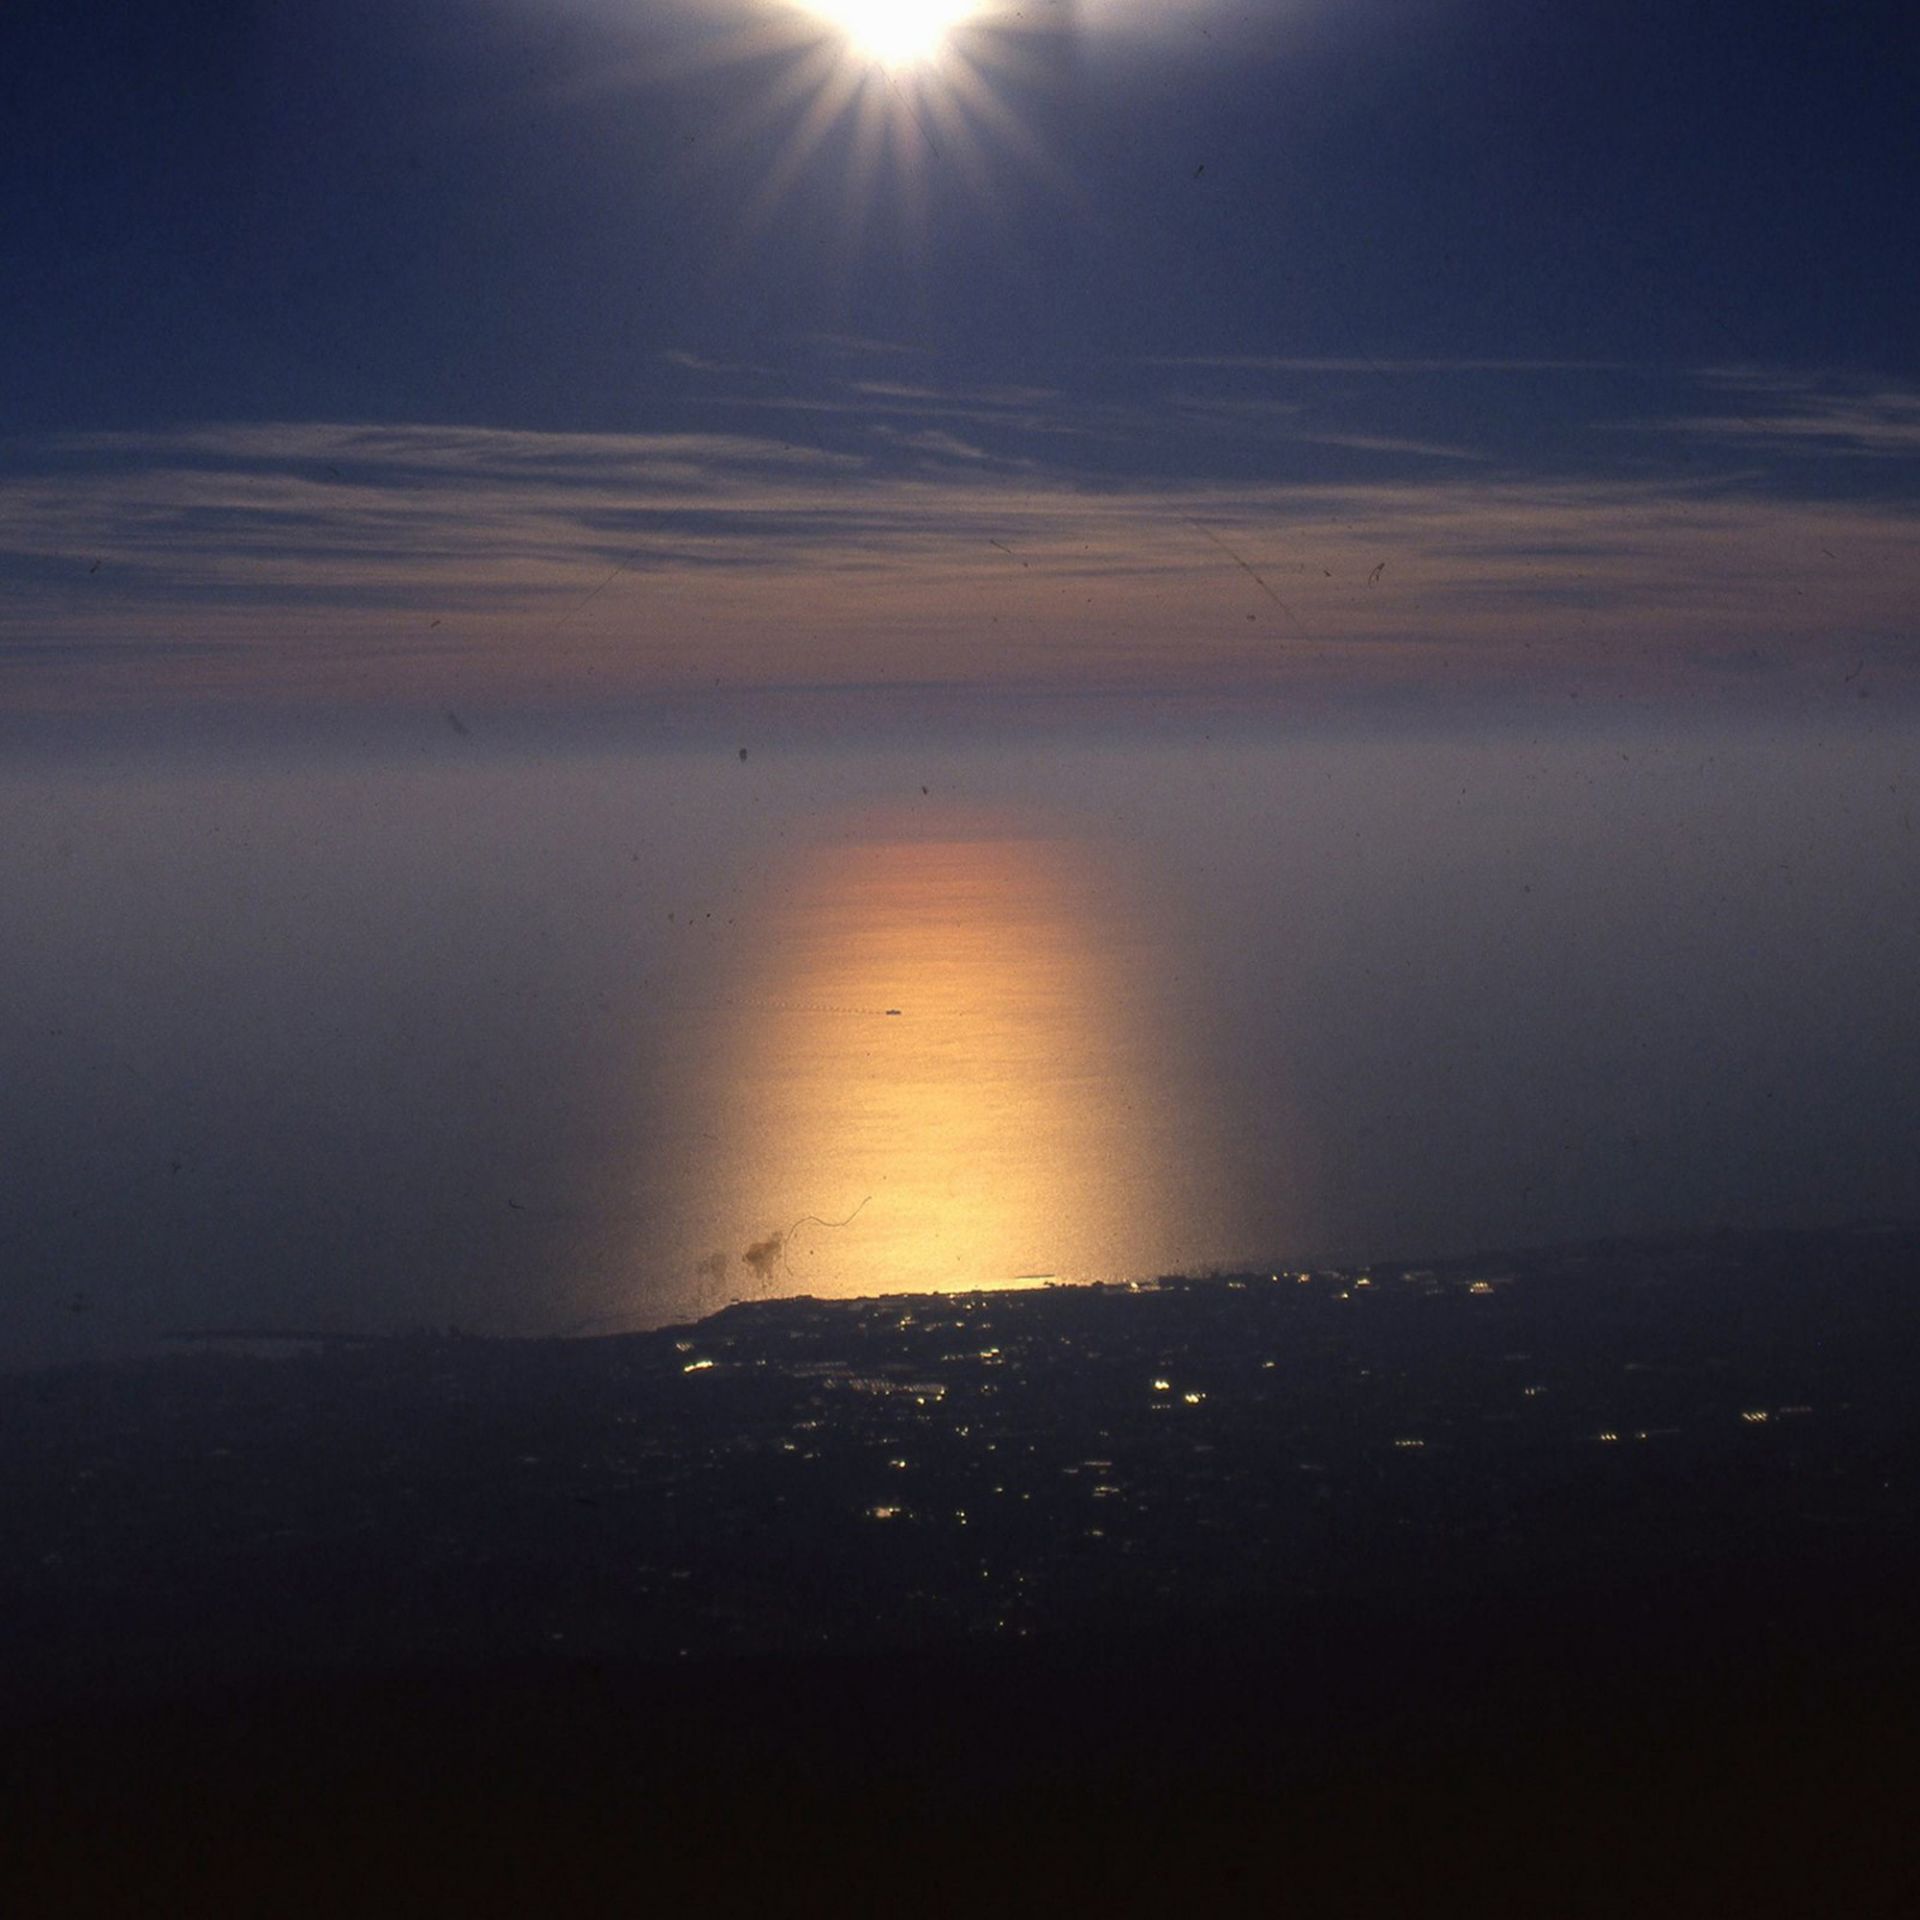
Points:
(937, 1077)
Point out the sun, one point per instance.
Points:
(894, 33)
(902, 100)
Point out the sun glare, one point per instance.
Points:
(897, 98)
(894, 33)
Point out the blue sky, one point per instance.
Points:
(361, 350)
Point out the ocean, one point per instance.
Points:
(524, 1032)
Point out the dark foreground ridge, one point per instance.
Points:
(1545, 1582)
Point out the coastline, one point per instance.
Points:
(1067, 1577)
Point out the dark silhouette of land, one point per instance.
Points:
(1562, 1581)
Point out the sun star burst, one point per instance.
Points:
(894, 100)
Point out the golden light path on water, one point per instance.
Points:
(942, 1071)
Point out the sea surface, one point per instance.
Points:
(523, 1033)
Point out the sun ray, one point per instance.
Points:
(872, 125)
(824, 111)
(971, 87)
(896, 97)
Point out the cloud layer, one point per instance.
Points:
(920, 532)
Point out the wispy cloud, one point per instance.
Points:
(1388, 444)
(1798, 416)
(855, 346)
(1366, 363)
(691, 362)
(285, 558)
(935, 442)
